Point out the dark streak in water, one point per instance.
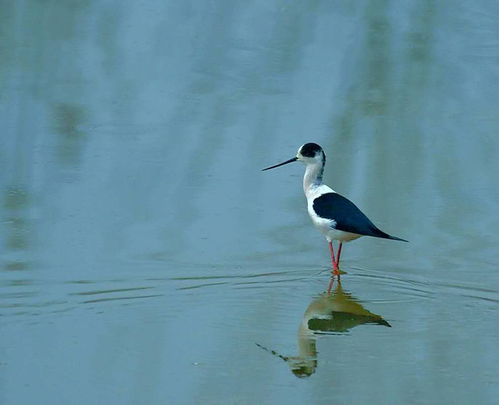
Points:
(227, 276)
(244, 284)
(201, 285)
(110, 291)
(121, 298)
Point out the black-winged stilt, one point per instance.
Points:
(334, 215)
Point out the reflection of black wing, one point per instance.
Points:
(347, 216)
(343, 321)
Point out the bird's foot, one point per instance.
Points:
(337, 272)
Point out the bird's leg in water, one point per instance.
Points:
(339, 254)
(333, 260)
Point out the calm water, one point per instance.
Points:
(146, 259)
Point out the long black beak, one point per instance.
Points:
(281, 164)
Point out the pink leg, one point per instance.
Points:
(339, 254)
(333, 260)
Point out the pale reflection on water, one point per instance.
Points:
(143, 253)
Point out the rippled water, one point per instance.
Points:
(145, 258)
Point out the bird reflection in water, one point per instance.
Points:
(333, 312)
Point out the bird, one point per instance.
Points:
(335, 216)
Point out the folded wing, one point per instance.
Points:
(347, 216)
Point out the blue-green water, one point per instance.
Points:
(146, 259)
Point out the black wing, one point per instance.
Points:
(347, 216)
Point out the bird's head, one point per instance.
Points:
(309, 153)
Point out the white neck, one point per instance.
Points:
(313, 177)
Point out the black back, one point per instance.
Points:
(347, 216)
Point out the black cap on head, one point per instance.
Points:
(310, 149)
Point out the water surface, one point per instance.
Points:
(146, 259)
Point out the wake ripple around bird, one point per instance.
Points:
(415, 287)
(33, 298)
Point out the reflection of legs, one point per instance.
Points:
(330, 285)
(333, 260)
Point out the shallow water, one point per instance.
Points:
(145, 258)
